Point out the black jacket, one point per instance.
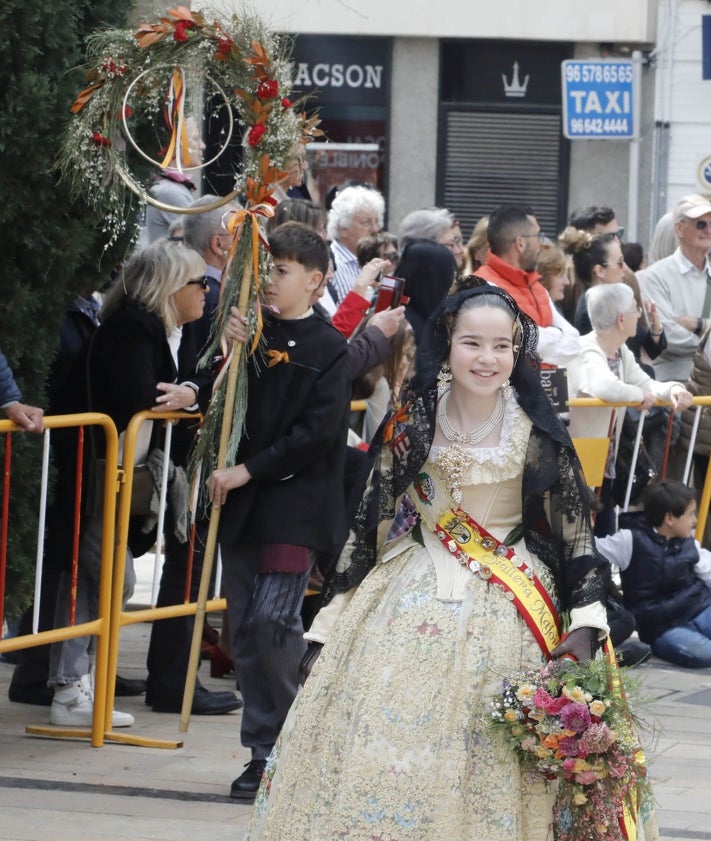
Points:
(660, 585)
(295, 440)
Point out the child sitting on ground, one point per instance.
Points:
(666, 575)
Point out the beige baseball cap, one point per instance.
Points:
(692, 207)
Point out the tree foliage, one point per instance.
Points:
(52, 248)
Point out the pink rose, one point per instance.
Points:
(585, 778)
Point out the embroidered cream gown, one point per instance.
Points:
(389, 740)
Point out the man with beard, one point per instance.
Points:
(515, 242)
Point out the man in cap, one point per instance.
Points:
(680, 285)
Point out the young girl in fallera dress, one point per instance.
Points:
(389, 737)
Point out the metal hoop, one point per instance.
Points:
(140, 151)
(145, 196)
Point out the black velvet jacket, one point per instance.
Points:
(294, 443)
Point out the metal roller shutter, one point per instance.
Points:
(502, 158)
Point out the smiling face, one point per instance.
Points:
(481, 356)
(684, 525)
(694, 237)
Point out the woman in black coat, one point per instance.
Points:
(132, 367)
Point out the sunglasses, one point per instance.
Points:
(201, 282)
(702, 224)
(391, 255)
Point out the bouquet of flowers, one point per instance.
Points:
(572, 723)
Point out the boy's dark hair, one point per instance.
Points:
(666, 497)
(588, 218)
(295, 241)
(505, 224)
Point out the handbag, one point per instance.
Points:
(93, 496)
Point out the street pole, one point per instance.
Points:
(633, 195)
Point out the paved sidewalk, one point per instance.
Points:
(58, 790)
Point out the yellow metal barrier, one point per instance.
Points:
(100, 627)
(698, 402)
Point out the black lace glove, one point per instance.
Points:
(308, 660)
(581, 644)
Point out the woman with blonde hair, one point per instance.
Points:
(552, 266)
(132, 366)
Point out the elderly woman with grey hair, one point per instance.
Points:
(606, 368)
(355, 213)
(438, 225)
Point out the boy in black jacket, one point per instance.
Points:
(283, 500)
(666, 575)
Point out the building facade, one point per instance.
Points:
(462, 105)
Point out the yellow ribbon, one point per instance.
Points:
(277, 356)
(178, 146)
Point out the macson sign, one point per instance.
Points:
(598, 100)
(337, 75)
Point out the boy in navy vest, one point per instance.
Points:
(666, 575)
(283, 500)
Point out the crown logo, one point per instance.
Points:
(515, 88)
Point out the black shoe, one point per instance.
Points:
(245, 787)
(204, 702)
(38, 694)
(125, 687)
(632, 653)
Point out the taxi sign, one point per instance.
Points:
(598, 100)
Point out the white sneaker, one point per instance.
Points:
(73, 706)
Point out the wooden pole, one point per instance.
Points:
(211, 542)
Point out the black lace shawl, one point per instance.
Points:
(555, 514)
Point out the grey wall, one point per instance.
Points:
(413, 127)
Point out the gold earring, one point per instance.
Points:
(444, 378)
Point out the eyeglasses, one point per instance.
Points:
(619, 263)
(201, 282)
(391, 255)
(540, 236)
(702, 224)
(619, 233)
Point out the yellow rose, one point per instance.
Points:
(597, 708)
(543, 753)
(575, 694)
(511, 715)
(579, 798)
(525, 692)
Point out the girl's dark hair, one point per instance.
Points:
(402, 343)
(667, 496)
(298, 210)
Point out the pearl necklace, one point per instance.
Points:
(476, 435)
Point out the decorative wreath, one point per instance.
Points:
(133, 119)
